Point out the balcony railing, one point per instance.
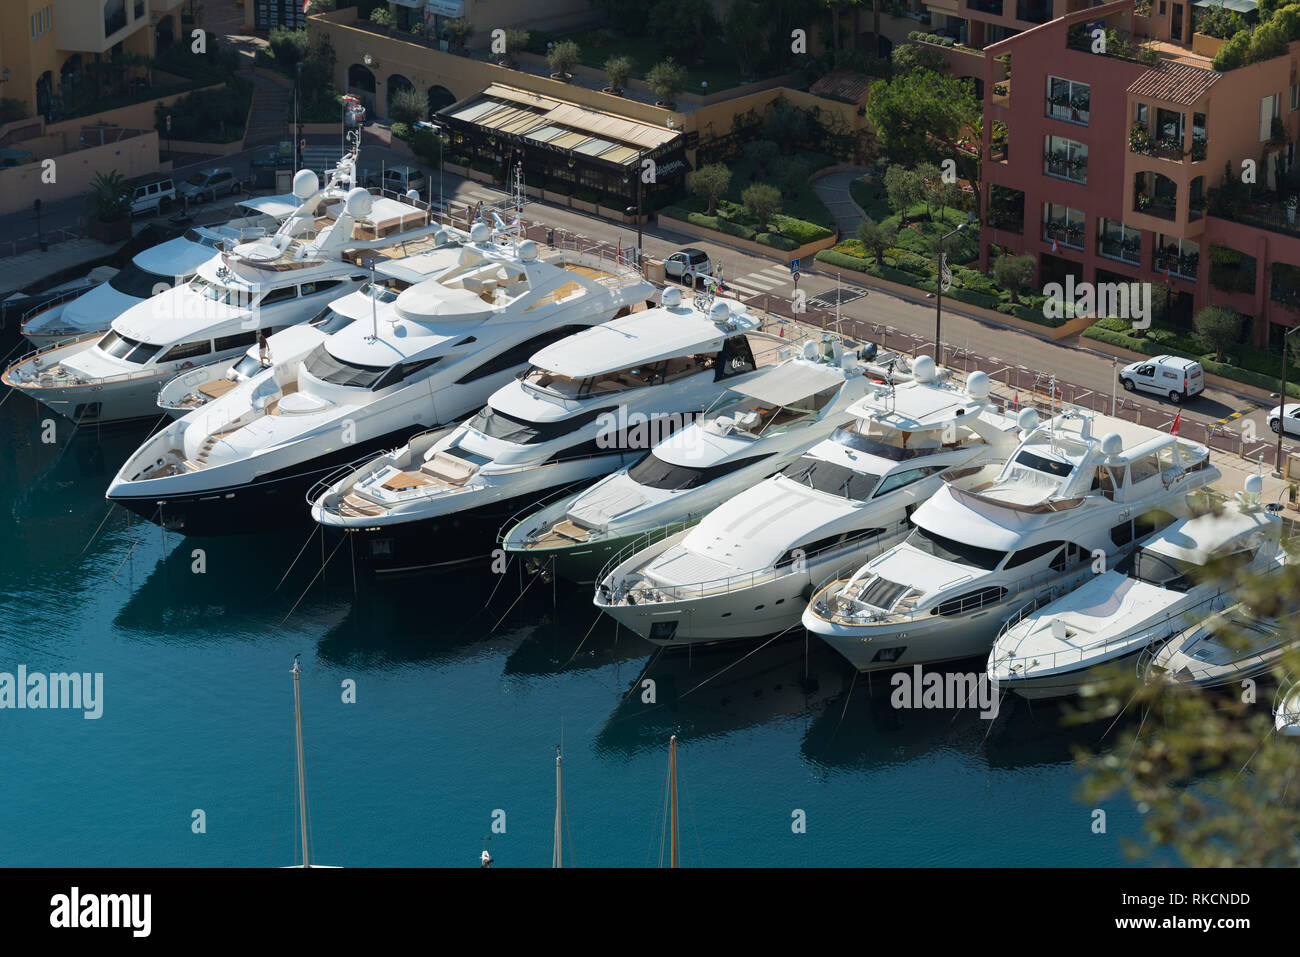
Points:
(1160, 208)
(1062, 167)
(114, 21)
(1183, 266)
(1076, 112)
(1123, 250)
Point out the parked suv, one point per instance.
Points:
(208, 184)
(689, 260)
(398, 179)
(1171, 376)
(152, 195)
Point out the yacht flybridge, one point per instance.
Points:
(748, 567)
(998, 537)
(751, 431)
(1182, 573)
(426, 344)
(152, 270)
(581, 410)
(265, 284)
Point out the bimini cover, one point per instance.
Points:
(433, 300)
(790, 381)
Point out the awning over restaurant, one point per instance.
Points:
(554, 124)
(1240, 6)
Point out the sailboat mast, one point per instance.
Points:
(559, 807)
(672, 797)
(302, 779)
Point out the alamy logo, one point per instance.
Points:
(59, 690)
(636, 430)
(74, 910)
(945, 690)
(1103, 300)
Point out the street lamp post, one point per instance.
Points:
(1278, 471)
(938, 297)
(297, 81)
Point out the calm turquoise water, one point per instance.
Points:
(456, 716)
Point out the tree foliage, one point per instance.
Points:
(711, 183)
(1014, 273)
(762, 202)
(1219, 327)
(921, 115)
(876, 238)
(666, 80)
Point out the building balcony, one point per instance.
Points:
(1154, 206)
(993, 7)
(1059, 166)
(1077, 112)
(1124, 251)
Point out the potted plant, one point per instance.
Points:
(1291, 204)
(666, 80)
(563, 57)
(110, 208)
(617, 70)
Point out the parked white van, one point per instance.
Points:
(1171, 376)
(153, 195)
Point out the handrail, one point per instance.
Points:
(49, 304)
(724, 585)
(1149, 632)
(543, 502)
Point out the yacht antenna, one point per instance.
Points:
(559, 807)
(302, 780)
(374, 307)
(672, 798)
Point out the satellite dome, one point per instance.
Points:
(810, 350)
(413, 194)
(1112, 444)
(977, 384)
(719, 312)
(528, 251)
(672, 297)
(441, 238)
(480, 233)
(305, 184)
(358, 203)
(1254, 485)
(923, 369)
(1027, 419)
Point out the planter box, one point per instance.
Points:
(806, 251)
(1206, 45)
(536, 192)
(457, 170)
(114, 232)
(559, 199)
(480, 177)
(583, 205)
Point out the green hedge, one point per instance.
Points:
(782, 240)
(1030, 314)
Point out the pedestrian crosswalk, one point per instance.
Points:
(771, 280)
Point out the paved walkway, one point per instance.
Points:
(267, 122)
(833, 190)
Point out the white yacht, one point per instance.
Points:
(1225, 648)
(1286, 713)
(747, 569)
(428, 345)
(753, 430)
(265, 284)
(151, 271)
(1183, 573)
(1023, 531)
(586, 406)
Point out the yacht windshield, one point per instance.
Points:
(249, 366)
(951, 550)
(654, 472)
(139, 283)
(1162, 570)
(327, 368)
(498, 425)
(221, 294)
(380, 292)
(895, 446)
(832, 478)
(1050, 466)
(127, 349)
(329, 322)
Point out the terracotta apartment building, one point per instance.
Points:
(1104, 166)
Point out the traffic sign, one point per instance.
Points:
(794, 266)
(796, 279)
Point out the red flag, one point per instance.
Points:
(305, 5)
(1015, 401)
(1178, 421)
(783, 330)
(1167, 281)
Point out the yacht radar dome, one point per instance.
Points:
(441, 238)
(672, 297)
(305, 184)
(480, 233)
(923, 369)
(719, 313)
(359, 203)
(810, 350)
(977, 385)
(1027, 420)
(413, 194)
(528, 251)
(1111, 444)
(1254, 485)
